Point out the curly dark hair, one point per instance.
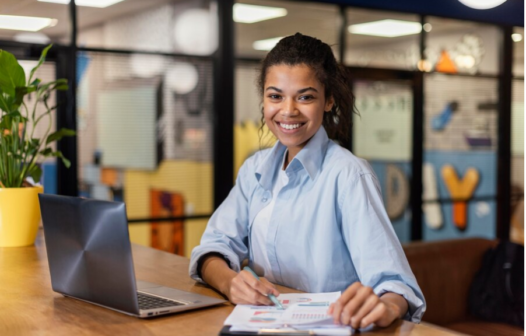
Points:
(301, 49)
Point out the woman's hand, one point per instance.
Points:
(359, 306)
(245, 289)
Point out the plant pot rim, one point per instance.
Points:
(22, 188)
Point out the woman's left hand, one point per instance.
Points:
(359, 306)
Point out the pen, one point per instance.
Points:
(270, 296)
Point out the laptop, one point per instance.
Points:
(90, 259)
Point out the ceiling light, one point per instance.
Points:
(427, 27)
(516, 37)
(386, 28)
(32, 38)
(249, 13)
(482, 4)
(182, 77)
(266, 44)
(195, 31)
(27, 23)
(86, 3)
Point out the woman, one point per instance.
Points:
(307, 213)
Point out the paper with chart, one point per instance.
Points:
(302, 311)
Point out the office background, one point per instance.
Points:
(163, 97)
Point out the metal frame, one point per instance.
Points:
(504, 137)
(67, 178)
(224, 104)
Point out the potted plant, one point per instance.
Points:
(20, 150)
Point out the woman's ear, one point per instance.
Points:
(329, 104)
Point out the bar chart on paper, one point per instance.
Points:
(302, 311)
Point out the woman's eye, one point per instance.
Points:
(274, 96)
(306, 97)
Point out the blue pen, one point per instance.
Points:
(270, 296)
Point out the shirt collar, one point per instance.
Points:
(310, 158)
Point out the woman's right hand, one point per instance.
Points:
(245, 289)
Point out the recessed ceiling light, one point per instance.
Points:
(31, 37)
(516, 37)
(427, 27)
(249, 13)
(386, 28)
(266, 44)
(27, 23)
(86, 3)
(482, 4)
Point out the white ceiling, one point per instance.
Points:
(319, 20)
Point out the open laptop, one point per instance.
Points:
(90, 259)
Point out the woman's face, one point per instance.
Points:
(293, 104)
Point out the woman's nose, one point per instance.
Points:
(289, 108)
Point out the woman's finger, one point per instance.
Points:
(242, 292)
(350, 292)
(336, 308)
(253, 292)
(256, 284)
(374, 315)
(270, 287)
(351, 308)
(365, 309)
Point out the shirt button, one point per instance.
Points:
(264, 200)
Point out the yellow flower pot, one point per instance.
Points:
(19, 216)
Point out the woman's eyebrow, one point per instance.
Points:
(307, 89)
(299, 91)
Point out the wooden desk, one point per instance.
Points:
(30, 307)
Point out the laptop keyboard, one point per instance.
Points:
(152, 302)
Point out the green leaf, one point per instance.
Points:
(59, 135)
(20, 92)
(46, 152)
(35, 172)
(4, 104)
(40, 61)
(7, 120)
(59, 154)
(13, 114)
(36, 82)
(11, 73)
(58, 84)
(5, 124)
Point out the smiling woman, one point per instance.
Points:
(307, 206)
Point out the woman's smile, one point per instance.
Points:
(290, 127)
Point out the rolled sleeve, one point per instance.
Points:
(227, 230)
(375, 250)
(416, 305)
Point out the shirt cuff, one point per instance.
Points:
(416, 306)
(197, 258)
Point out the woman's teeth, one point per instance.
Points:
(290, 127)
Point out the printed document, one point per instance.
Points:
(303, 311)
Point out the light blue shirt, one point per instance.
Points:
(328, 229)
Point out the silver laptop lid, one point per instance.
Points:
(89, 251)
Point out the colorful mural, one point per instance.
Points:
(461, 175)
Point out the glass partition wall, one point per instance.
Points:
(428, 91)
(144, 114)
(455, 64)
